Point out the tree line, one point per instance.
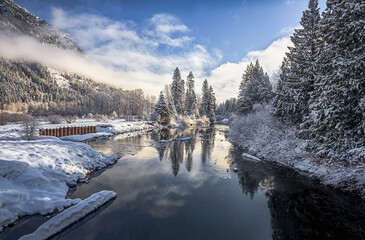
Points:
(175, 100)
(322, 81)
(30, 88)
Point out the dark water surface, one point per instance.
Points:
(182, 190)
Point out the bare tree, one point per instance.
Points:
(30, 126)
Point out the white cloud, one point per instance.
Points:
(137, 54)
(226, 78)
(129, 56)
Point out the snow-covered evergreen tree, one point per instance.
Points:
(208, 105)
(212, 105)
(162, 110)
(169, 99)
(298, 69)
(336, 110)
(177, 91)
(255, 88)
(204, 107)
(190, 98)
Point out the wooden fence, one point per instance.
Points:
(67, 131)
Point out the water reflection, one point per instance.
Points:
(300, 208)
(184, 190)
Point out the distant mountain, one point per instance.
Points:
(15, 20)
(40, 90)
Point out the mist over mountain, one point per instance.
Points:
(37, 78)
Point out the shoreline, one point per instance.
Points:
(36, 176)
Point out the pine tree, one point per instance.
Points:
(298, 69)
(177, 91)
(204, 107)
(169, 99)
(190, 98)
(162, 109)
(336, 117)
(212, 105)
(255, 88)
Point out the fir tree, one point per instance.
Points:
(169, 99)
(204, 107)
(190, 98)
(212, 105)
(297, 70)
(255, 88)
(177, 91)
(336, 116)
(162, 109)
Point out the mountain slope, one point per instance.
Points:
(40, 90)
(15, 20)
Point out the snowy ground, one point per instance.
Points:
(70, 216)
(35, 175)
(263, 136)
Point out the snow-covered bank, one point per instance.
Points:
(35, 176)
(70, 215)
(263, 136)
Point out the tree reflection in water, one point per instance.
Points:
(301, 208)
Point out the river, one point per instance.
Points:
(188, 190)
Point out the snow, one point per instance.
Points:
(71, 215)
(176, 139)
(250, 157)
(262, 135)
(35, 176)
(86, 137)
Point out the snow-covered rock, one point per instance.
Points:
(250, 157)
(70, 216)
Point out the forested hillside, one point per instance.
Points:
(36, 89)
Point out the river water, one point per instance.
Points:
(187, 190)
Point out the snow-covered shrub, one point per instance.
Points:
(186, 120)
(90, 115)
(71, 119)
(55, 119)
(100, 118)
(30, 126)
(113, 116)
(263, 135)
(203, 121)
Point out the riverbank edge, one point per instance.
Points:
(335, 175)
(97, 161)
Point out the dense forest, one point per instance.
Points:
(38, 90)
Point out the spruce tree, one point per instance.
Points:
(255, 87)
(212, 107)
(177, 91)
(296, 79)
(162, 109)
(204, 107)
(190, 98)
(336, 117)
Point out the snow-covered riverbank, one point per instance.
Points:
(35, 176)
(264, 137)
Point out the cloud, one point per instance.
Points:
(140, 53)
(226, 78)
(131, 56)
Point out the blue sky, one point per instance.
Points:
(214, 37)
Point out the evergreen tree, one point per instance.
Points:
(190, 98)
(336, 116)
(169, 99)
(162, 109)
(208, 105)
(177, 91)
(212, 105)
(297, 70)
(255, 88)
(204, 107)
